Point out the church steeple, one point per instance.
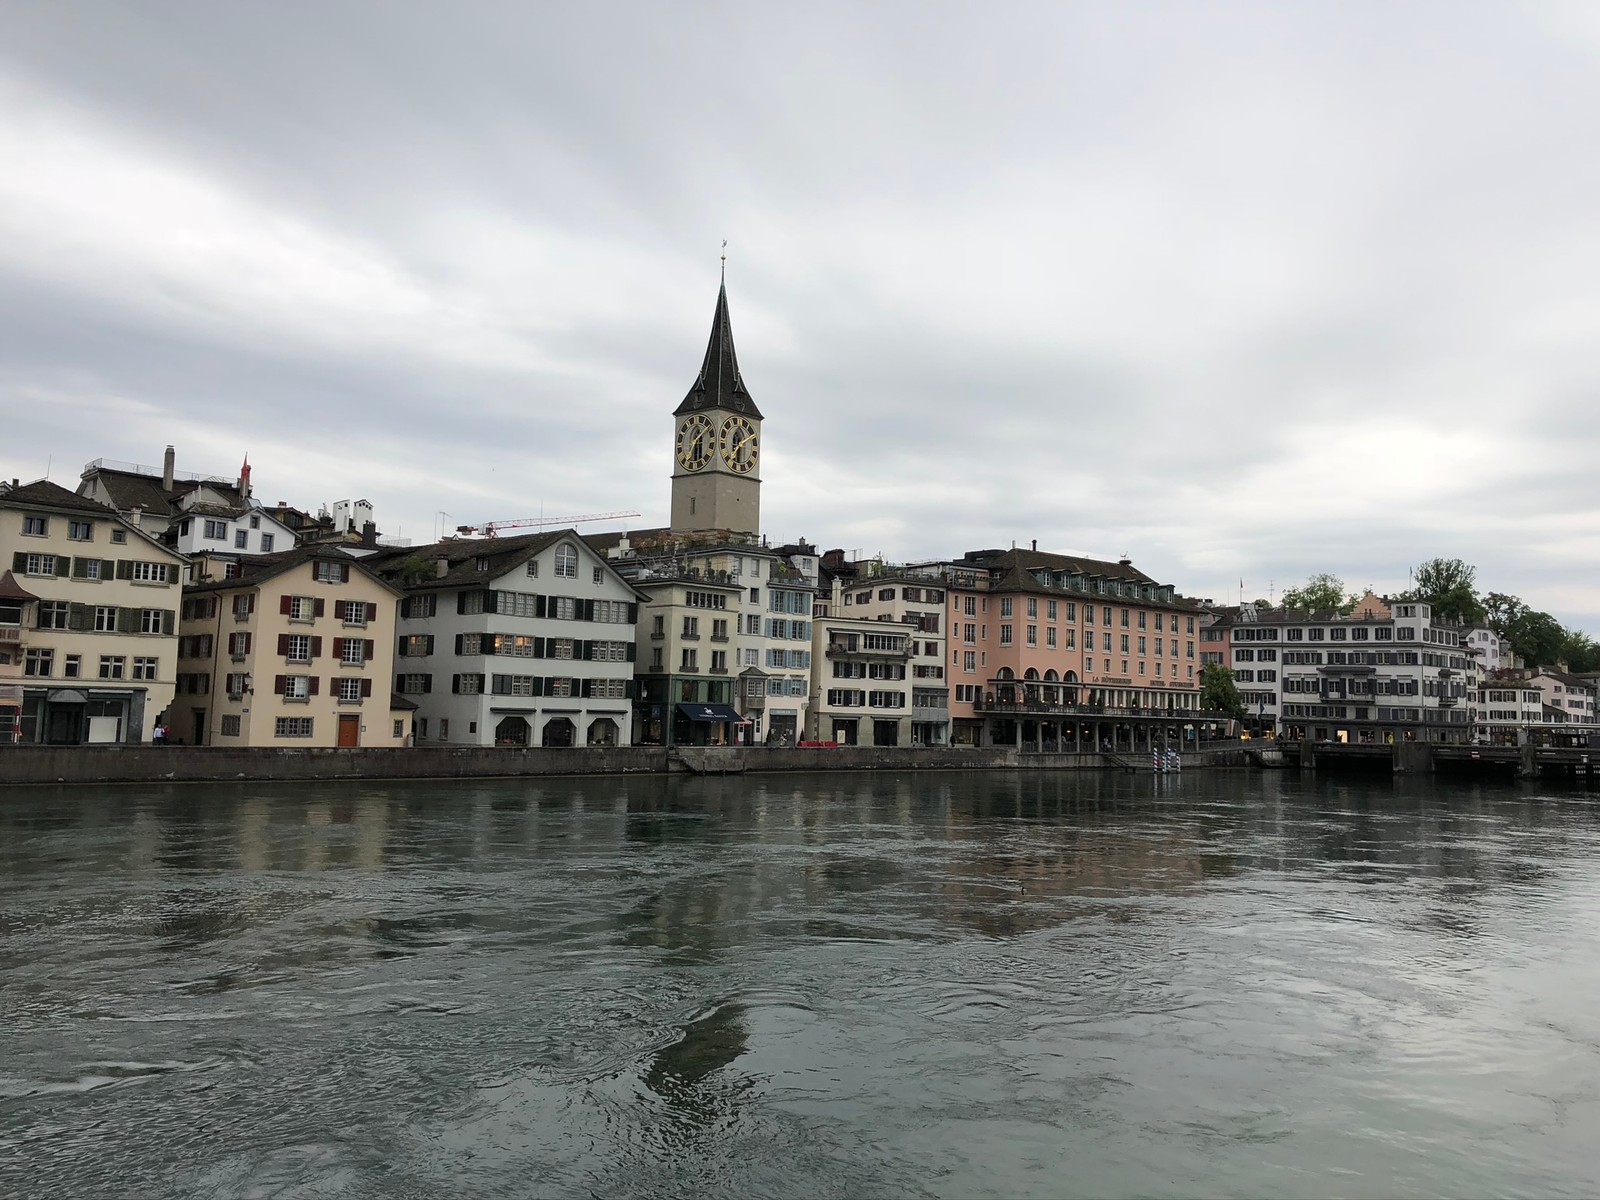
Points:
(719, 384)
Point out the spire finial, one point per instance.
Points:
(724, 260)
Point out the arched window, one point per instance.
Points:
(513, 731)
(1072, 677)
(1031, 673)
(603, 732)
(558, 732)
(1006, 673)
(1050, 676)
(566, 562)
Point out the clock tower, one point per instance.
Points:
(716, 452)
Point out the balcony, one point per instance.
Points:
(11, 634)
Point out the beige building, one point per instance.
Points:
(294, 649)
(861, 693)
(88, 628)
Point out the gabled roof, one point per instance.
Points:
(719, 384)
(256, 569)
(41, 493)
(462, 556)
(134, 489)
(10, 589)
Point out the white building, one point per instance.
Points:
(523, 641)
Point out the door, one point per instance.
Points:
(199, 727)
(349, 729)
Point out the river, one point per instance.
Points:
(1220, 984)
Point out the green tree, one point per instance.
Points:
(1448, 585)
(1219, 692)
(1580, 652)
(1501, 610)
(1320, 592)
(1538, 637)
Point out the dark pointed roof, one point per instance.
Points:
(719, 384)
(10, 589)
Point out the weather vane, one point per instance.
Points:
(724, 258)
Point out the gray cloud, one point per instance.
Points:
(1246, 291)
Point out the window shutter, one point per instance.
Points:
(317, 606)
(248, 638)
(251, 607)
(344, 572)
(338, 648)
(167, 618)
(316, 686)
(283, 604)
(108, 568)
(63, 565)
(366, 688)
(80, 568)
(588, 610)
(627, 689)
(279, 683)
(585, 651)
(461, 604)
(338, 611)
(316, 647)
(631, 649)
(458, 644)
(127, 620)
(455, 684)
(19, 562)
(633, 614)
(368, 646)
(541, 648)
(539, 605)
(80, 618)
(372, 610)
(427, 683)
(124, 568)
(283, 645)
(400, 646)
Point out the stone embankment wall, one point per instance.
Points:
(141, 764)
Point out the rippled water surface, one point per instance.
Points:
(948, 985)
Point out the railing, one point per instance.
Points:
(10, 633)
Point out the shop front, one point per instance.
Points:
(709, 725)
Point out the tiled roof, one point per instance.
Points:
(500, 555)
(256, 569)
(44, 494)
(10, 589)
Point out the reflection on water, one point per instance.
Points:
(947, 985)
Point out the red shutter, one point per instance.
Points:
(338, 649)
(251, 607)
(316, 686)
(283, 645)
(372, 611)
(283, 604)
(367, 646)
(338, 610)
(366, 687)
(344, 572)
(247, 640)
(317, 606)
(316, 647)
(279, 682)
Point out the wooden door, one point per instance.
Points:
(349, 729)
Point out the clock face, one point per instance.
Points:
(740, 446)
(697, 442)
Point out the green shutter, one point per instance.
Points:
(127, 620)
(167, 616)
(80, 618)
(63, 565)
(124, 568)
(19, 563)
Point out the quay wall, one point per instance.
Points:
(201, 764)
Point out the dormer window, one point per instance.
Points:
(481, 563)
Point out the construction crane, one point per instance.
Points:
(491, 529)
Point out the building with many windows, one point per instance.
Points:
(1061, 653)
(861, 691)
(517, 641)
(88, 621)
(291, 649)
(914, 600)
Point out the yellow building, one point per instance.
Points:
(89, 618)
(293, 649)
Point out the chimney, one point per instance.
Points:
(167, 463)
(441, 568)
(1035, 543)
(135, 515)
(369, 534)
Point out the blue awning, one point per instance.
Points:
(712, 713)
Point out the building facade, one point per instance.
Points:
(520, 641)
(861, 690)
(294, 649)
(91, 619)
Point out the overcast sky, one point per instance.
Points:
(1243, 291)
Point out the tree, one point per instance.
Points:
(1538, 637)
(1501, 610)
(1320, 592)
(1218, 691)
(1447, 585)
(1579, 651)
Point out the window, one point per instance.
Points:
(297, 647)
(533, 568)
(599, 575)
(150, 572)
(350, 689)
(112, 666)
(232, 725)
(1033, 635)
(296, 727)
(145, 668)
(719, 630)
(39, 564)
(296, 687)
(969, 660)
(690, 655)
(105, 619)
(353, 651)
(415, 684)
(414, 607)
(719, 662)
(36, 526)
(1005, 606)
(80, 531)
(691, 627)
(1005, 635)
(241, 539)
(53, 614)
(566, 562)
(332, 572)
(216, 531)
(38, 662)
(150, 620)
(301, 608)
(72, 667)
(266, 543)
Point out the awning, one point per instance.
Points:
(712, 713)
